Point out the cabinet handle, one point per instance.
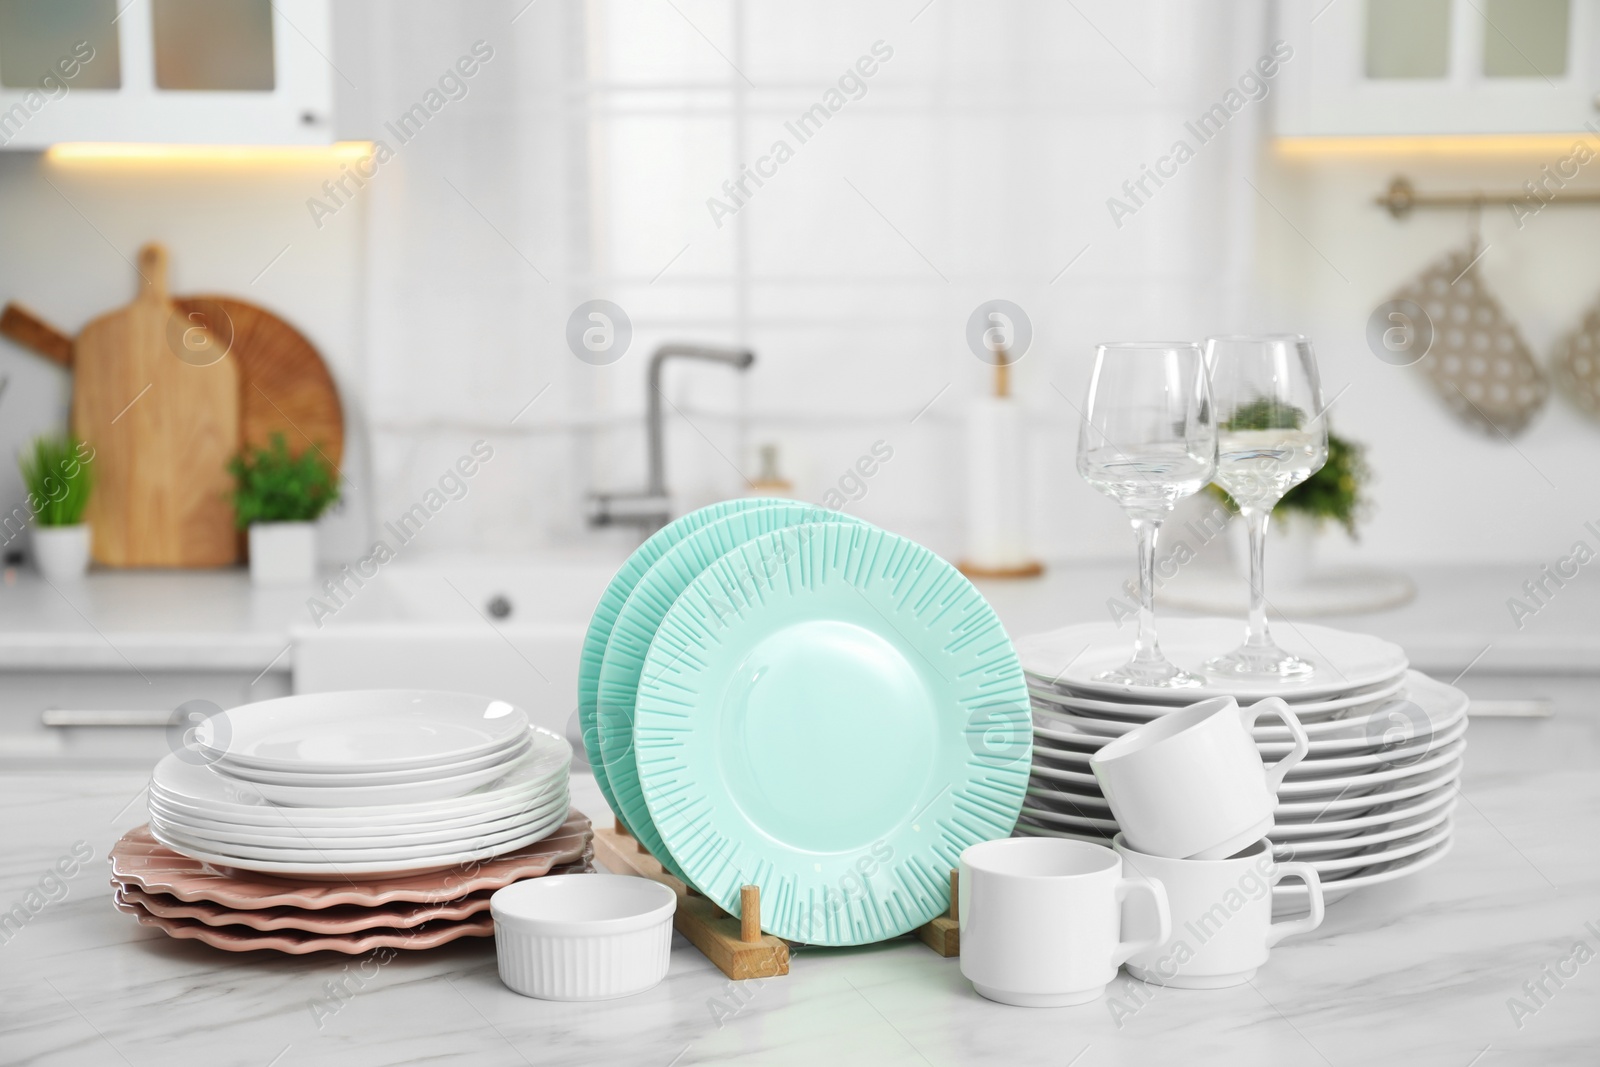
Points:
(113, 717)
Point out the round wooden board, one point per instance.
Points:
(284, 386)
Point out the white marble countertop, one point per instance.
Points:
(148, 620)
(1419, 972)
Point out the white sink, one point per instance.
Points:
(433, 625)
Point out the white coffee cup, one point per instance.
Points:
(1191, 784)
(1222, 928)
(1041, 919)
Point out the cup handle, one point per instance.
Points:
(1158, 893)
(1302, 743)
(1289, 927)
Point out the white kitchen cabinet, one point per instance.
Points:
(166, 72)
(1393, 67)
(49, 717)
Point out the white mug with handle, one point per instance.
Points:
(1191, 784)
(1041, 919)
(1222, 928)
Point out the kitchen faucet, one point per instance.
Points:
(652, 509)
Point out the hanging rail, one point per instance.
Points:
(1401, 198)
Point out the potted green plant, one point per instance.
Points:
(58, 479)
(1334, 494)
(278, 498)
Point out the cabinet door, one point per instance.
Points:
(166, 72)
(1437, 66)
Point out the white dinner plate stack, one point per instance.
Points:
(1370, 803)
(361, 784)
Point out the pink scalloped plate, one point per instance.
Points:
(137, 859)
(298, 943)
(341, 919)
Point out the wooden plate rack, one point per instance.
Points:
(737, 946)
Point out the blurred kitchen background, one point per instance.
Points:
(994, 151)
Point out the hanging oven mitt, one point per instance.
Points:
(1478, 361)
(1575, 364)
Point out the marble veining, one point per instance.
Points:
(1418, 973)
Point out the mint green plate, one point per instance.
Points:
(835, 731)
(635, 627)
(611, 601)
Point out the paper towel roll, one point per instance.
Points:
(997, 485)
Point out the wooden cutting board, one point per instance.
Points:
(284, 385)
(163, 423)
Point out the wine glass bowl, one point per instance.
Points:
(1148, 440)
(1271, 436)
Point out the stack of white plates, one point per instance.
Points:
(1371, 803)
(361, 784)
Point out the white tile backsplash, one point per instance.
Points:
(976, 165)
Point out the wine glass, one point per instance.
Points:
(1271, 436)
(1147, 441)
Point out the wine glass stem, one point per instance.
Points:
(1256, 634)
(1145, 647)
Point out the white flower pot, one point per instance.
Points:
(62, 552)
(1291, 550)
(283, 553)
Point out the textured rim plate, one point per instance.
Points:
(1341, 784)
(493, 802)
(139, 859)
(179, 839)
(1146, 712)
(1056, 818)
(361, 730)
(1345, 661)
(365, 796)
(1377, 721)
(231, 837)
(215, 795)
(345, 870)
(1063, 765)
(635, 627)
(833, 713)
(1408, 755)
(1377, 852)
(341, 920)
(506, 754)
(303, 827)
(1342, 829)
(1368, 876)
(1057, 775)
(243, 939)
(605, 616)
(1388, 794)
(1291, 892)
(1336, 847)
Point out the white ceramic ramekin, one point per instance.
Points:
(583, 936)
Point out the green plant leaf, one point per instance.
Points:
(59, 476)
(270, 485)
(1336, 492)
